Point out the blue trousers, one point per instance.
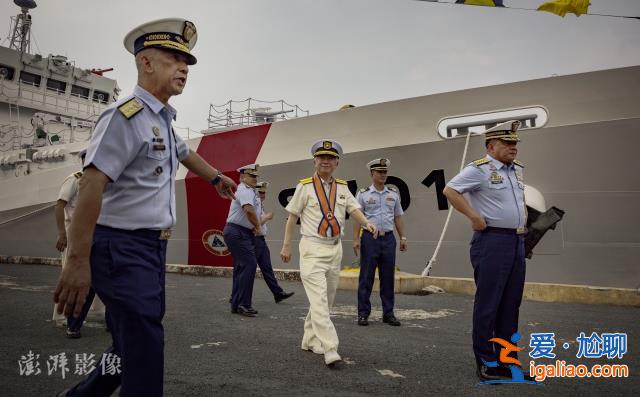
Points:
(128, 274)
(377, 253)
(75, 323)
(263, 255)
(241, 243)
(499, 271)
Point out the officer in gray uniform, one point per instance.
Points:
(498, 216)
(243, 224)
(126, 209)
(381, 205)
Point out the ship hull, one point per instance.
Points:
(581, 161)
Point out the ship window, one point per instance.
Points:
(56, 85)
(530, 117)
(100, 97)
(30, 78)
(6, 72)
(82, 92)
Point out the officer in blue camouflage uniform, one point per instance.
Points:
(243, 224)
(263, 254)
(126, 209)
(498, 216)
(381, 205)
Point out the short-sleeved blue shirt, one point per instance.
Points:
(260, 213)
(140, 156)
(244, 195)
(380, 207)
(496, 191)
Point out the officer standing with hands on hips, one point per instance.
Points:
(498, 216)
(381, 206)
(126, 209)
(263, 255)
(243, 224)
(321, 202)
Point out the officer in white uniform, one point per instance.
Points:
(381, 206)
(243, 224)
(498, 216)
(321, 202)
(126, 209)
(63, 211)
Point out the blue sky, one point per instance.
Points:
(322, 54)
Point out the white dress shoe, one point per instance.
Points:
(331, 357)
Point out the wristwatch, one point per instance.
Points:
(217, 179)
(403, 238)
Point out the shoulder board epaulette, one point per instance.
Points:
(306, 180)
(392, 188)
(341, 181)
(78, 175)
(364, 189)
(131, 107)
(516, 162)
(480, 162)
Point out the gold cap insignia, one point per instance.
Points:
(326, 145)
(189, 30)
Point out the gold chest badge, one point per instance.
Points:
(495, 178)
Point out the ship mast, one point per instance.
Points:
(21, 30)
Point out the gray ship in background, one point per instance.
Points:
(579, 135)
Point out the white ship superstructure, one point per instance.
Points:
(48, 108)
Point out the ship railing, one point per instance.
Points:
(33, 95)
(28, 214)
(252, 111)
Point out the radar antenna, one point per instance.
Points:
(21, 29)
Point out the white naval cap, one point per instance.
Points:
(326, 146)
(250, 169)
(174, 34)
(505, 131)
(379, 164)
(262, 186)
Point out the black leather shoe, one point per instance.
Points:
(234, 310)
(282, 296)
(73, 334)
(391, 320)
(488, 373)
(362, 320)
(247, 311)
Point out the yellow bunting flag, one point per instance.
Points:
(562, 7)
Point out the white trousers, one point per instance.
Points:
(320, 273)
(96, 310)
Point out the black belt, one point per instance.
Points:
(152, 234)
(504, 230)
(380, 232)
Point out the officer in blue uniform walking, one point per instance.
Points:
(381, 205)
(126, 209)
(497, 211)
(263, 255)
(243, 224)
